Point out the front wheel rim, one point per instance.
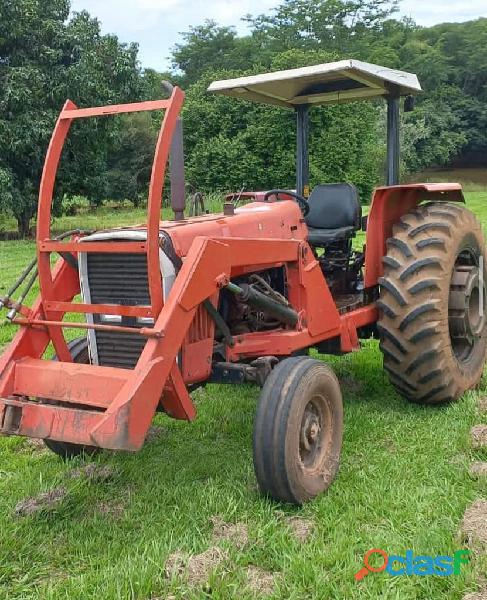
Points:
(314, 435)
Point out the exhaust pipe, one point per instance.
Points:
(176, 165)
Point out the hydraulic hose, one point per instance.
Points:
(251, 296)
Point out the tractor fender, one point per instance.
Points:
(387, 207)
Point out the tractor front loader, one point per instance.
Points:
(242, 295)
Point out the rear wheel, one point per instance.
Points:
(79, 352)
(298, 430)
(432, 297)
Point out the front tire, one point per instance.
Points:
(432, 327)
(298, 430)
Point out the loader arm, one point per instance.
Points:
(206, 269)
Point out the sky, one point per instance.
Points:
(156, 24)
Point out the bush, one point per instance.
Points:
(74, 205)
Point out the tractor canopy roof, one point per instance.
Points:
(329, 83)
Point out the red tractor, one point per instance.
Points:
(242, 295)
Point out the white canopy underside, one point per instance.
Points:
(330, 83)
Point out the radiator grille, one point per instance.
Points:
(119, 349)
(118, 279)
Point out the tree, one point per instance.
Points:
(210, 46)
(463, 47)
(330, 25)
(432, 134)
(450, 121)
(44, 59)
(233, 143)
(450, 59)
(130, 163)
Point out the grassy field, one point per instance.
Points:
(473, 179)
(403, 484)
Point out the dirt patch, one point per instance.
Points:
(480, 595)
(352, 385)
(389, 445)
(54, 576)
(42, 502)
(34, 445)
(482, 404)
(301, 528)
(175, 564)
(93, 472)
(260, 581)
(197, 568)
(237, 533)
(474, 524)
(478, 469)
(155, 432)
(460, 460)
(478, 433)
(111, 510)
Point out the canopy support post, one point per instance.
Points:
(302, 150)
(393, 140)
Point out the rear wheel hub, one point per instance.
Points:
(466, 314)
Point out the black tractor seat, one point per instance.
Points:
(334, 214)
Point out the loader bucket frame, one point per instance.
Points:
(78, 394)
(45, 245)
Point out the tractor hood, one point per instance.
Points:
(270, 220)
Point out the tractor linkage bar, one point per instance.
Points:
(145, 331)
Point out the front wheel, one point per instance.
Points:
(298, 430)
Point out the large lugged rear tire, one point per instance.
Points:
(298, 430)
(432, 326)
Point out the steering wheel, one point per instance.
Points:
(302, 202)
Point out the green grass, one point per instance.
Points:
(109, 214)
(403, 484)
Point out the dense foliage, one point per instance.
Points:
(232, 144)
(449, 122)
(46, 55)
(44, 59)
